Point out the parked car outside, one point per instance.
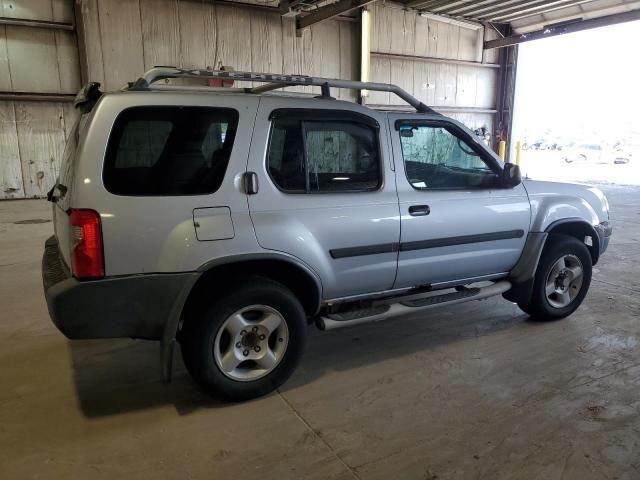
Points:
(596, 154)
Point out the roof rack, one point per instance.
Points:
(273, 81)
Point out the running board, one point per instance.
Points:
(406, 306)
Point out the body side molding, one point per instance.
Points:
(423, 244)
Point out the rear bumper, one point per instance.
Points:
(135, 306)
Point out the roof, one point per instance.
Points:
(524, 16)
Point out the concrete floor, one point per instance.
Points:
(477, 391)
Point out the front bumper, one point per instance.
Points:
(135, 306)
(604, 231)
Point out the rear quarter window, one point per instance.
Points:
(155, 151)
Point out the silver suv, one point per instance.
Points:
(227, 220)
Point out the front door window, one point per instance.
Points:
(436, 159)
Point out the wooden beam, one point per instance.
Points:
(36, 97)
(552, 31)
(449, 61)
(23, 22)
(329, 11)
(254, 6)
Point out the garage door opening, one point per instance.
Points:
(576, 107)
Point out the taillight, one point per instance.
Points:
(87, 259)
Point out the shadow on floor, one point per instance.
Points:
(119, 376)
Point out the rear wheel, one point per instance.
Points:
(247, 341)
(562, 279)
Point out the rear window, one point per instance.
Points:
(156, 151)
(324, 155)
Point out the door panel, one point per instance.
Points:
(308, 213)
(457, 222)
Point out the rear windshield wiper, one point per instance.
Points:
(62, 189)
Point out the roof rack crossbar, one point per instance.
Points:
(274, 81)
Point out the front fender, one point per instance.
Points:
(550, 210)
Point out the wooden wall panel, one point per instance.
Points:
(32, 60)
(266, 42)
(38, 60)
(380, 38)
(295, 52)
(121, 38)
(68, 64)
(5, 72)
(349, 58)
(401, 26)
(70, 116)
(10, 172)
(404, 32)
(197, 33)
(88, 12)
(160, 32)
(424, 82)
(469, 41)
(48, 10)
(487, 87)
(448, 38)
(325, 49)
(448, 83)
(234, 28)
(32, 140)
(423, 42)
(41, 139)
(401, 74)
(466, 85)
(32, 134)
(380, 72)
(27, 9)
(62, 11)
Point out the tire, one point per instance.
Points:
(562, 258)
(226, 345)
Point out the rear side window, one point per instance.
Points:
(169, 150)
(321, 156)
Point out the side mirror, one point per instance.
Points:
(511, 175)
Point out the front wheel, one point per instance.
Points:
(562, 279)
(246, 342)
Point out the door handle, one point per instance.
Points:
(250, 183)
(419, 210)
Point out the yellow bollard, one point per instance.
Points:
(518, 148)
(502, 148)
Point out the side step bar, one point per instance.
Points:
(426, 301)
